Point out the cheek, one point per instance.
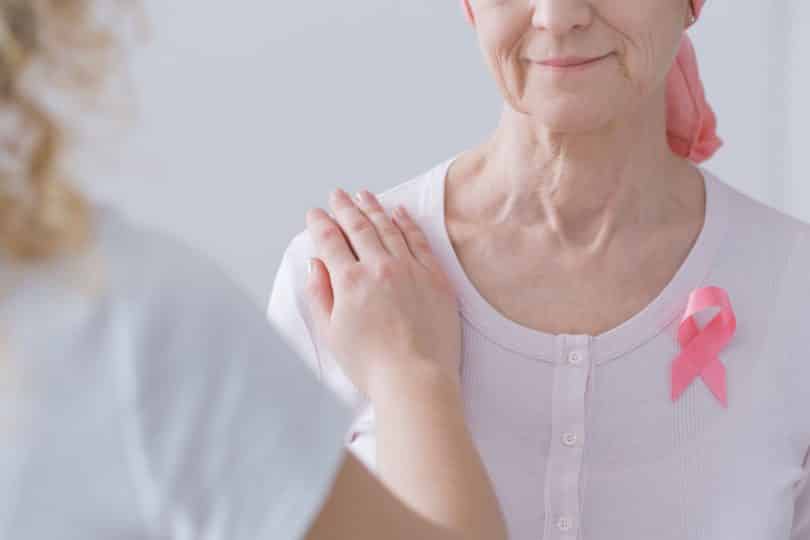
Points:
(503, 52)
(639, 61)
(650, 36)
(647, 56)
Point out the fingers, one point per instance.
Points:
(390, 235)
(330, 244)
(363, 230)
(359, 229)
(416, 239)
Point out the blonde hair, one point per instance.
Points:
(46, 46)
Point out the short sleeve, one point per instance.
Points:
(237, 438)
(289, 312)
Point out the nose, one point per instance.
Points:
(560, 17)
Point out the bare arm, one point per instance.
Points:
(361, 508)
(425, 454)
(433, 466)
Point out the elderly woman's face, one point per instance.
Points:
(629, 46)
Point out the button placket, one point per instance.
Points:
(564, 465)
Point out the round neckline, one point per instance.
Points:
(643, 326)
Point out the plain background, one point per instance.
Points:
(251, 112)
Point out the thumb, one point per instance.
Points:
(319, 288)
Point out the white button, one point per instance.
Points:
(569, 439)
(575, 358)
(564, 523)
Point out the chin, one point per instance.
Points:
(577, 117)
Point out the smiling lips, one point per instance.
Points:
(570, 61)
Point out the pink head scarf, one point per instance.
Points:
(691, 122)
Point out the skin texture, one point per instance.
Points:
(575, 202)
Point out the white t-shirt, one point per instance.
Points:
(144, 396)
(580, 434)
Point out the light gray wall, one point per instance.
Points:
(251, 112)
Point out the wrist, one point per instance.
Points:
(414, 379)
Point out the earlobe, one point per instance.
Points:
(468, 12)
(692, 12)
(690, 18)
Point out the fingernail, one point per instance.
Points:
(403, 212)
(368, 197)
(311, 265)
(359, 197)
(342, 195)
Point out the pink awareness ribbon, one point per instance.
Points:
(700, 348)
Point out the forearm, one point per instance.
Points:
(425, 454)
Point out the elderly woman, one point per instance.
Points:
(634, 360)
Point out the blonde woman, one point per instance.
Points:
(143, 396)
